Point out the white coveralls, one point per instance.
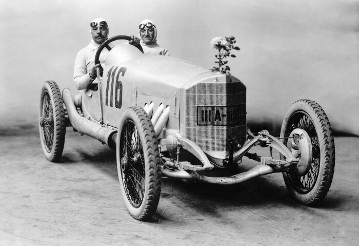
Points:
(84, 62)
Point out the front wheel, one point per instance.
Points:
(52, 121)
(309, 185)
(138, 163)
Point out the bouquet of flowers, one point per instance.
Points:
(224, 46)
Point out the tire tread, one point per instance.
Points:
(328, 147)
(154, 170)
(59, 121)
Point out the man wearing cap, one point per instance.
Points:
(148, 34)
(85, 70)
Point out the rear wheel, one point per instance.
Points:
(138, 162)
(52, 121)
(309, 185)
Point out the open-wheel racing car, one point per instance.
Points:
(165, 116)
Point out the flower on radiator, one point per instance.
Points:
(224, 45)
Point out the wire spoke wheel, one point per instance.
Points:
(132, 164)
(138, 163)
(52, 121)
(312, 186)
(48, 122)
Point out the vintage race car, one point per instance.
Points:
(167, 117)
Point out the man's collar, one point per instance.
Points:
(149, 45)
(93, 45)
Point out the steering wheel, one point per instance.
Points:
(114, 38)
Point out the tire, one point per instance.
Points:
(138, 164)
(52, 121)
(312, 186)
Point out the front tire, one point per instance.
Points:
(311, 187)
(52, 124)
(138, 164)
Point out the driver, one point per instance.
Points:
(85, 70)
(148, 34)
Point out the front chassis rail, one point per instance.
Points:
(268, 164)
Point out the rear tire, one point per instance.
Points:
(310, 188)
(138, 163)
(52, 124)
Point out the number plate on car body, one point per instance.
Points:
(218, 115)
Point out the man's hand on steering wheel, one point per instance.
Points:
(134, 41)
(93, 72)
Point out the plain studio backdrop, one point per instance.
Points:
(289, 49)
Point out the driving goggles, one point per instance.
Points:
(149, 25)
(102, 24)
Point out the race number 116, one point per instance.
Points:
(114, 87)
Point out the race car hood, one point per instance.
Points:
(155, 79)
(154, 69)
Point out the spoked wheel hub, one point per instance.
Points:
(301, 147)
(47, 122)
(132, 163)
(305, 174)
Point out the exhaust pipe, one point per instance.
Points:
(159, 118)
(149, 109)
(85, 126)
(162, 121)
(157, 114)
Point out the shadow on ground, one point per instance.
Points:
(206, 198)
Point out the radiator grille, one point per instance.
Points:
(216, 115)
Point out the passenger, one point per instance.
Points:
(148, 34)
(85, 70)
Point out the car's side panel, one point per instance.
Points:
(91, 104)
(117, 93)
(122, 87)
(142, 80)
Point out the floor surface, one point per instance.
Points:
(78, 202)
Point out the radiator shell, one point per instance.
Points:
(215, 113)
